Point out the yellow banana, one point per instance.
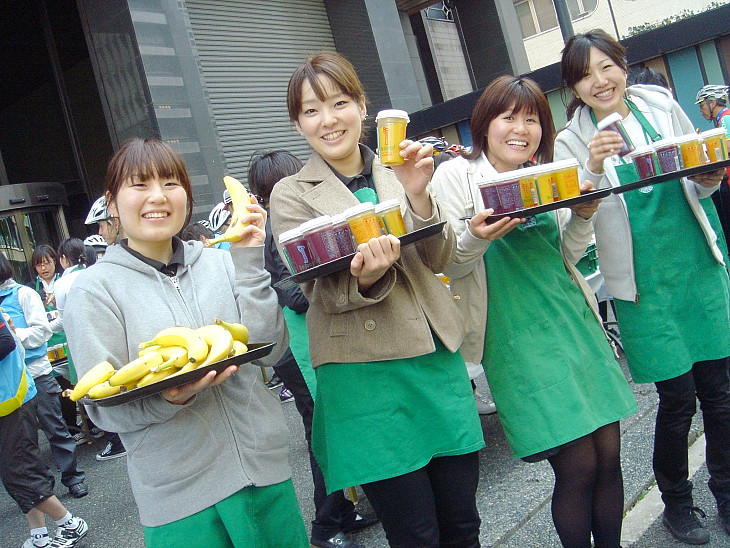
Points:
(240, 199)
(155, 376)
(238, 348)
(220, 346)
(98, 374)
(174, 356)
(136, 369)
(238, 330)
(181, 336)
(153, 348)
(210, 333)
(104, 390)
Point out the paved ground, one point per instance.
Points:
(513, 496)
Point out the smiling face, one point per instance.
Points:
(512, 139)
(332, 125)
(602, 87)
(151, 212)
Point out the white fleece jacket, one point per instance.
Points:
(613, 231)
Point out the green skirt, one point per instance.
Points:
(380, 420)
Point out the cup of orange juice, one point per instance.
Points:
(391, 131)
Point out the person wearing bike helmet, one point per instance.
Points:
(98, 243)
(219, 219)
(108, 225)
(713, 105)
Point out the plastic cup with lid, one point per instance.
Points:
(391, 131)
(613, 122)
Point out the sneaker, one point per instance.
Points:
(37, 541)
(109, 453)
(338, 541)
(484, 407)
(285, 395)
(684, 525)
(725, 517)
(96, 432)
(274, 382)
(70, 534)
(78, 490)
(80, 438)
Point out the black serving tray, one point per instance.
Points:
(255, 351)
(588, 196)
(344, 262)
(664, 177)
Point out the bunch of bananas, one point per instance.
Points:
(173, 351)
(240, 199)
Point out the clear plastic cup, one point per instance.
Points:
(321, 238)
(490, 196)
(391, 131)
(613, 122)
(547, 188)
(296, 250)
(391, 217)
(643, 158)
(508, 191)
(690, 147)
(669, 155)
(715, 144)
(363, 222)
(566, 178)
(343, 234)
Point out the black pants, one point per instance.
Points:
(63, 446)
(334, 511)
(710, 382)
(23, 472)
(432, 507)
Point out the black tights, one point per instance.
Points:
(589, 492)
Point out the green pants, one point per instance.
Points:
(254, 517)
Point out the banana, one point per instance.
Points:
(181, 336)
(220, 346)
(238, 348)
(136, 369)
(240, 199)
(98, 374)
(239, 331)
(155, 376)
(174, 356)
(153, 348)
(104, 390)
(210, 333)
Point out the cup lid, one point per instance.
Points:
(687, 138)
(563, 164)
(359, 209)
(316, 223)
(387, 204)
(714, 132)
(671, 142)
(641, 150)
(290, 234)
(608, 120)
(338, 219)
(392, 113)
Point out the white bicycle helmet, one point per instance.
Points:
(98, 212)
(711, 92)
(95, 240)
(218, 216)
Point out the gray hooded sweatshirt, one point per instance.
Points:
(184, 458)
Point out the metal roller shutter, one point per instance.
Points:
(248, 50)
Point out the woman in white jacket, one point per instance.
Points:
(558, 389)
(659, 257)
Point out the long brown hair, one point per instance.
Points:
(327, 63)
(576, 59)
(516, 93)
(146, 159)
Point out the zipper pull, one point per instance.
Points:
(175, 282)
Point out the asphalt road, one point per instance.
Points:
(513, 496)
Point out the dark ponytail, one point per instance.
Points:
(74, 251)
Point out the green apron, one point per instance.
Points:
(682, 313)
(296, 324)
(551, 370)
(379, 420)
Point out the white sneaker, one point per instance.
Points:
(36, 542)
(484, 407)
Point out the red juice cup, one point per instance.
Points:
(669, 155)
(490, 196)
(613, 122)
(296, 251)
(321, 238)
(643, 158)
(343, 234)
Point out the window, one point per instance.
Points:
(536, 16)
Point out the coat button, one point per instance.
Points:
(370, 325)
(342, 299)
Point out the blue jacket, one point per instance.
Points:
(16, 384)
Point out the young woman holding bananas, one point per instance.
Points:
(205, 469)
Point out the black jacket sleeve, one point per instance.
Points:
(7, 341)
